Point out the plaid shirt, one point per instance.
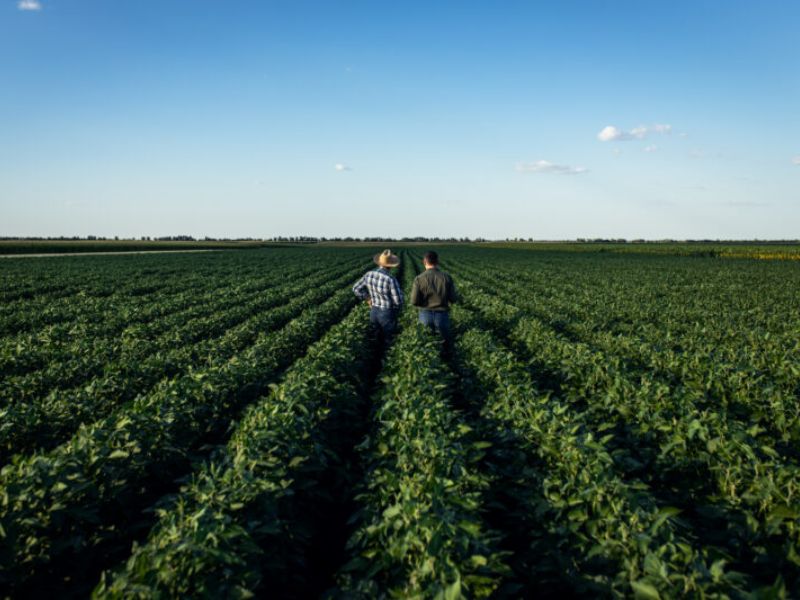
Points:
(381, 287)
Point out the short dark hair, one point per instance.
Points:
(431, 257)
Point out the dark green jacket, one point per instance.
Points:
(433, 290)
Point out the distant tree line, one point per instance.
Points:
(375, 239)
(143, 238)
(304, 238)
(672, 241)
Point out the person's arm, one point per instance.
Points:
(416, 300)
(396, 293)
(360, 288)
(452, 294)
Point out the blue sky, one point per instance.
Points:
(495, 119)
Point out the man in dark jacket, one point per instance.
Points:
(433, 292)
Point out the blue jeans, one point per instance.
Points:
(384, 325)
(439, 322)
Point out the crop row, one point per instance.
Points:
(45, 422)
(742, 482)
(419, 531)
(754, 383)
(89, 353)
(68, 364)
(85, 299)
(113, 287)
(240, 523)
(670, 441)
(50, 279)
(62, 511)
(603, 533)
(724, 358)
(606, 426)
(30, 283)
(146, 316)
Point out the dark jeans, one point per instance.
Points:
(384, 325)
(439, 322)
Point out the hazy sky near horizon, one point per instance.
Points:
(557, 120)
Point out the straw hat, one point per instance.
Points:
(386, 259)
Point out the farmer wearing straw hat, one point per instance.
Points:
(382, 292)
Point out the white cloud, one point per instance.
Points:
(29, 5)
(342, 167)
(796, 160)
(545, 166)
(651, 148)
(609, 133)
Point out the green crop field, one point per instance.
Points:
(221, 425)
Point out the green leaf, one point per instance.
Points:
(478, 560)
(577, 514)
(664, 514)
(783, 512)
(474, 529)
(392, 511)
(645, 591)
(453, 591)
(718, 569)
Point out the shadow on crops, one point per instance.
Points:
(324, 508)
(326, 505)
(543, 560)
(687, 485)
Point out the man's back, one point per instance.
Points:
(381, 288)
(433, 290)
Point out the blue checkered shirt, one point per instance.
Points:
(381, 287)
